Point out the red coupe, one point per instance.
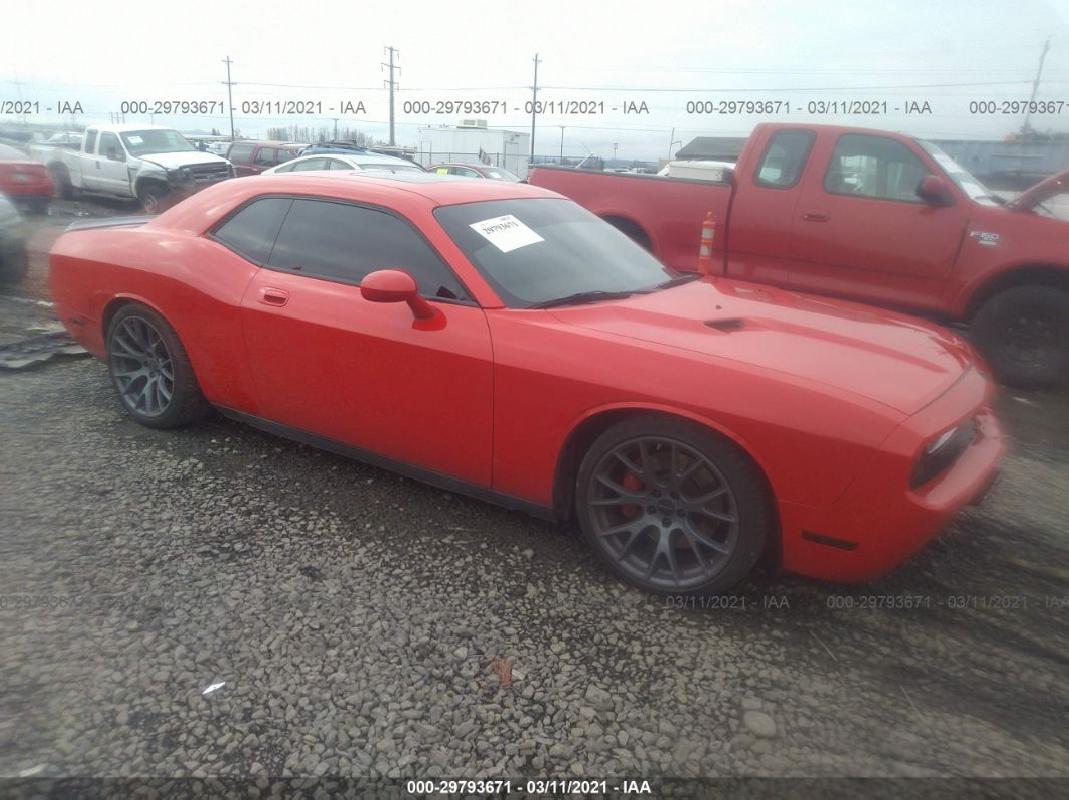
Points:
(24, 180)
(496, 339)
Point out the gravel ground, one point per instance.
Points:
(353, 617)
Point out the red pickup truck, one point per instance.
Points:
(869, 215)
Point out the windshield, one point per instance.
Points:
(539, 250)
(142, 143)
(964, 180)
(500, 174)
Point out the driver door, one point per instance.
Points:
(328, 362)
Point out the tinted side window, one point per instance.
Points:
(251, 232)
(310, 164)
(338, 164)
(874, 166)
(345, 242)
(90, 141)
(239, 152)
(109, 143)
(267, 156)
(784, 159)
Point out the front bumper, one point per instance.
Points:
(879, 521)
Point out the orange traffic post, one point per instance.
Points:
(705, 251)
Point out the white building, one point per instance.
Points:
(472, 142)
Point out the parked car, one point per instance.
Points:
(13, 257)
(72, 141)
(24, 180)
(152, 164)
(474, 171)
(346, 161)
(252, 158)
(497, 339)
(334, 146)
(866, 215)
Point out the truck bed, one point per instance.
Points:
(663, 214)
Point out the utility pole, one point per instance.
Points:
(392, 84)
(229, 95)
(671, 141)
(615, 147)
(534, 104)
(1027, 127)
(561, 145)
(335, 128)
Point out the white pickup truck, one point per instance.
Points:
(151, 164)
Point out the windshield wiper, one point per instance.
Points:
(679, 280)
(581, 297)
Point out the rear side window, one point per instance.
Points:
(310, 165)
(343, 242)
(90, 141)
(239, 152)
(267, 156)
(784, 159)
(251, 231)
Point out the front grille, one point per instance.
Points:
(209, 173)
(929, 465)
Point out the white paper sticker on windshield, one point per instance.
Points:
(506, 233)
(133, 138)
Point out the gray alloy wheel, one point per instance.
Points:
(141, 366)
(672, 507)
(150, 369)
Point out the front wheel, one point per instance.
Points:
(151, 198)
(150, 369)
(672, 507)
(1023, 333)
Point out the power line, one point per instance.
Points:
(708, 90)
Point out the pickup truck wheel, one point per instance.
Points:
(672, 507)
(62, 182)
(151, 198)
(13, 266)
(1023, 333)
(150, 369)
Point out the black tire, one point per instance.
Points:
(658, 535)
(1023, 333)
(142, 348)
(150, 195)
(14, 264)
(62, 182)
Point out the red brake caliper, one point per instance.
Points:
(632, 483)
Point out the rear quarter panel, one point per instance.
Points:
(193, 282)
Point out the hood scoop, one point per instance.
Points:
(726, 325)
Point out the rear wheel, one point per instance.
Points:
(14, 265)
(672, 507)
(62, 181)
(1023, 333)
(151, 371)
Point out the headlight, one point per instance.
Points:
(941, 452)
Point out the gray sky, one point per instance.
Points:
(106, 52)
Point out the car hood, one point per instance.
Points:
(182, 158)
(1043, 190)
(883, 356)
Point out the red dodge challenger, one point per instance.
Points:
(496, 339)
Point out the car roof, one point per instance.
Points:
(266, 143)
(360, 158)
